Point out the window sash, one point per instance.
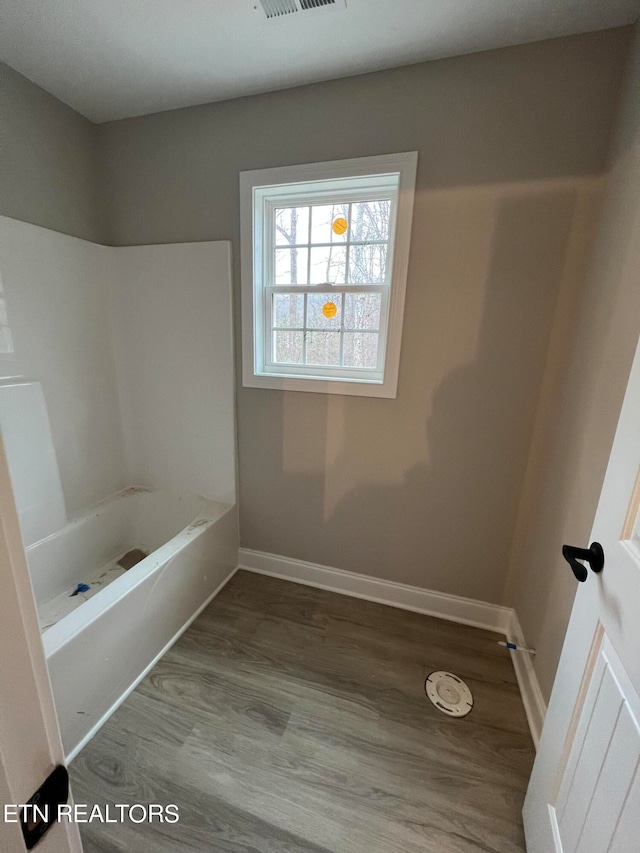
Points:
(266, 245)
(270, 244)
(270, 365)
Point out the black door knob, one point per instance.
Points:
(593, 555)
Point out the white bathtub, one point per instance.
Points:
(99, 650)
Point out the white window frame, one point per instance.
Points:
(261, 191)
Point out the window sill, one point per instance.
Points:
(346, 387)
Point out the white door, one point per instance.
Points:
(30, 746)
(584, 793)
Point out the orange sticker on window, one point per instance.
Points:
(339, 225)
(329, 309)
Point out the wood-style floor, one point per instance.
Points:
(292, 720)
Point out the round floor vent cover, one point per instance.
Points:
(449, 693)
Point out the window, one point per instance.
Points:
(324, 263)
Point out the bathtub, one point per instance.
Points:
(101, 643)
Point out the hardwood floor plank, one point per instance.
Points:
(489, 749)
(292, 719)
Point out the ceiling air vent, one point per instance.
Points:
(315, 4)
(278, 8)
(281, 8)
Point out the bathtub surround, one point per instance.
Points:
(31, 457)
(174, 357)
(134, 348)
(58, 296)
(423, 490)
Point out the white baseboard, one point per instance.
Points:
(103, 719)
(468, 611)
(534, 704)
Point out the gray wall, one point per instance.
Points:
(49, 170)
(427, 488)
(583, 393)
(423, 489)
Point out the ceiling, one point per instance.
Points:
(115, 58)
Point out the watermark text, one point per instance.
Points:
(34, 814)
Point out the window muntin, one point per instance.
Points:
(332, 247)
(323, 246)
(332, 243)
(322, 305)
(301, 331)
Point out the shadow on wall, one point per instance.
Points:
(362, 484)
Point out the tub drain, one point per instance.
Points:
(449, 693)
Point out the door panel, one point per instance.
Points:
(597, 781)
(583, 796)
(628, 830)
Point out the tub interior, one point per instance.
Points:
(87, 550)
